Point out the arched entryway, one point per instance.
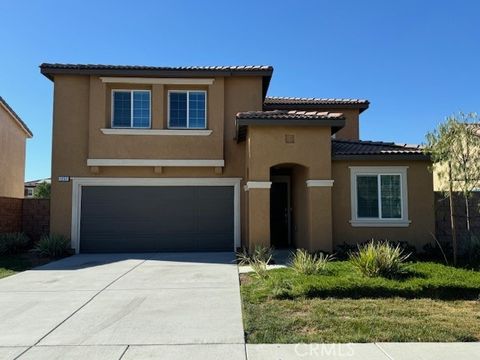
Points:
(287, 205)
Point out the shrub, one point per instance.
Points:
(282, 288)
(13, 243)
(53, 245)
(380, 259)
(259, 253)
(343, 251)
(259, 267)
(308, 264)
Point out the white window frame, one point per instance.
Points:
(401, 171)
(131, 91)
(188, 109)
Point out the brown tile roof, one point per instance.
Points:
(98, 69)
(289, 115)
(141, 67)
(287, 118)
(265, 71)
(301, 103)
(320, 101)
(361, 148)
(17, 118)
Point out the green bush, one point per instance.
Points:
(308, 264)
(53, 246)
(259, 267)
(13, 243)
(259, 253)
(281, 288)
(380, 259)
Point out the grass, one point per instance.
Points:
(12, 264)
(422, 280)
(361, 320)
(432, 302)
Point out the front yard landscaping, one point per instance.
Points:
(11, 264)
(18, 253)
(429, 302)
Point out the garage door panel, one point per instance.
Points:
(147, 218)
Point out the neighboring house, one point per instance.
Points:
(13, 135)
(440, 183)
(30, 187)
(198, 158)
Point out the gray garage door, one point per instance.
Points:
(163, 218)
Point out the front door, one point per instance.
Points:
(280, 212)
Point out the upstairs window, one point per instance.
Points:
(131, 109)
(187, 109)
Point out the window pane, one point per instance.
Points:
(141, 109)
(197, 109)
(367, 196)
(178, 109)
(391, 200)
(121, 108)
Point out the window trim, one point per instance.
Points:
(356, 171)
(131, 91)
(188, 110)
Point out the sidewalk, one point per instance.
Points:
(371, 351)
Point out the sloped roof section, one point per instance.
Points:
(361, 149)
(303, 100)
(17, 118)
(265, 71)
(49, 70)
(281, 102)
(289, 115)
(287, 118)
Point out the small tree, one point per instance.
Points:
(42, 191)
(455, 150)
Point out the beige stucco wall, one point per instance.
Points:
(82, 108)
(12, 156)
(420, 206)
(351, 130)
(310, 158)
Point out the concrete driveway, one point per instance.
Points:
(124, 306)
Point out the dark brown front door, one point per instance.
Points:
(279, 214)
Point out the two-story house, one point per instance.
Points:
(199, 158)
(13, 136)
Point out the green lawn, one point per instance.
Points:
(433, 303)
(11, 264)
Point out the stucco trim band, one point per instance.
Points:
(156, 132)
(258, 185)
(380, 223)
(166, 81)
(319, 183)
(79, 182)
(153, 162)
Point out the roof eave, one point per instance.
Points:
(50, 71)
(421, 157)
(242, 124)
(338, 122)
(361, 107)
(17, 118)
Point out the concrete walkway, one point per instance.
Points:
(139, 306)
